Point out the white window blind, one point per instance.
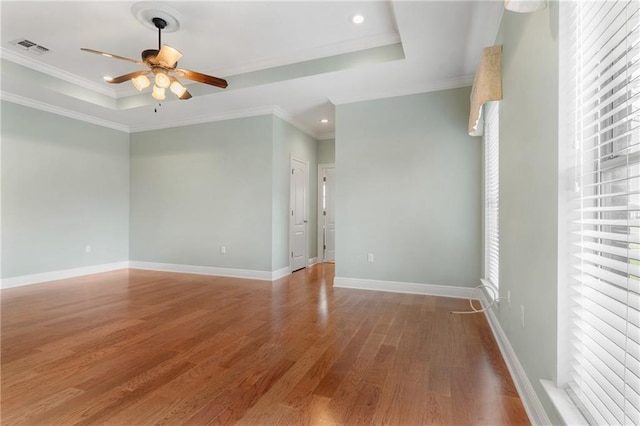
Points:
(491, 193)
(604, 288)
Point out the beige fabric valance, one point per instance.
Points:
(487, 86)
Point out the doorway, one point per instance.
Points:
(299, 190)
(326, 213)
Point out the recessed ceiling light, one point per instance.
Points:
(324, 120)
(357, 19)
(107, 77)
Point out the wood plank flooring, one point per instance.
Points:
(142, 347)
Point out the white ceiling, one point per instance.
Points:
(297, 59)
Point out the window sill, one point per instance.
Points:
(567, 409)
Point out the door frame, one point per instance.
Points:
(321, 167)
(293, 158)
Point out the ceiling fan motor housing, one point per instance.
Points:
(149, 55)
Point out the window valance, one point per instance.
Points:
(487, 86)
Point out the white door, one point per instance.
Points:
(298, 220)
(327, 237)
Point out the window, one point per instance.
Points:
(601, 74)
(491, 193)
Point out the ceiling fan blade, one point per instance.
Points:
(186, 95)
(202, 78)
(126, 77)
(111, 55)
(168, 56)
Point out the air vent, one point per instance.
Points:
(26, 44)
(30, 46)
(41, 49)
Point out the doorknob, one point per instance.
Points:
(306, 221)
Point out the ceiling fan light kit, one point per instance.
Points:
(161, 62)
(161, 78)
(141, 82)
(176, 87)
(158, 93)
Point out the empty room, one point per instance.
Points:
(382, 212)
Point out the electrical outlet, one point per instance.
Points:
(223, 249)
(87, 248)
(522, 315)
(370, 257)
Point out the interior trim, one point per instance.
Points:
(532, 405)
(21, 100)
(404, 287)
(563, 403)
(61, 274)
(383, 93)
(166, 267)
(211, 270)
(39, 66)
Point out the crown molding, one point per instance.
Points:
(36, 65)
(20, 100)
(245, 113)
(203, 119)
(453, 83)
(231, 115)
(326, 136)
(284, 115)
(319, 52)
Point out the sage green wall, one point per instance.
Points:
(529, 191)
(289, 141)
(197, 188)
(408, 190)
(327, 151)
(65, 184)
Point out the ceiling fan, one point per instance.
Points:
(162, 63)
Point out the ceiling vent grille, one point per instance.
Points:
(30, 46)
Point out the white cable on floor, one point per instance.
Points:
(477, 311)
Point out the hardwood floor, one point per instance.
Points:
(142, 347)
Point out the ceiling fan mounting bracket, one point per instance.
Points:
(159, 23)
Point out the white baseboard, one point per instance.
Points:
(312, 261)
(211, 270)
(532, 405)
(279, 273)
(168, 267)
(60, 275)
(403, 287)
